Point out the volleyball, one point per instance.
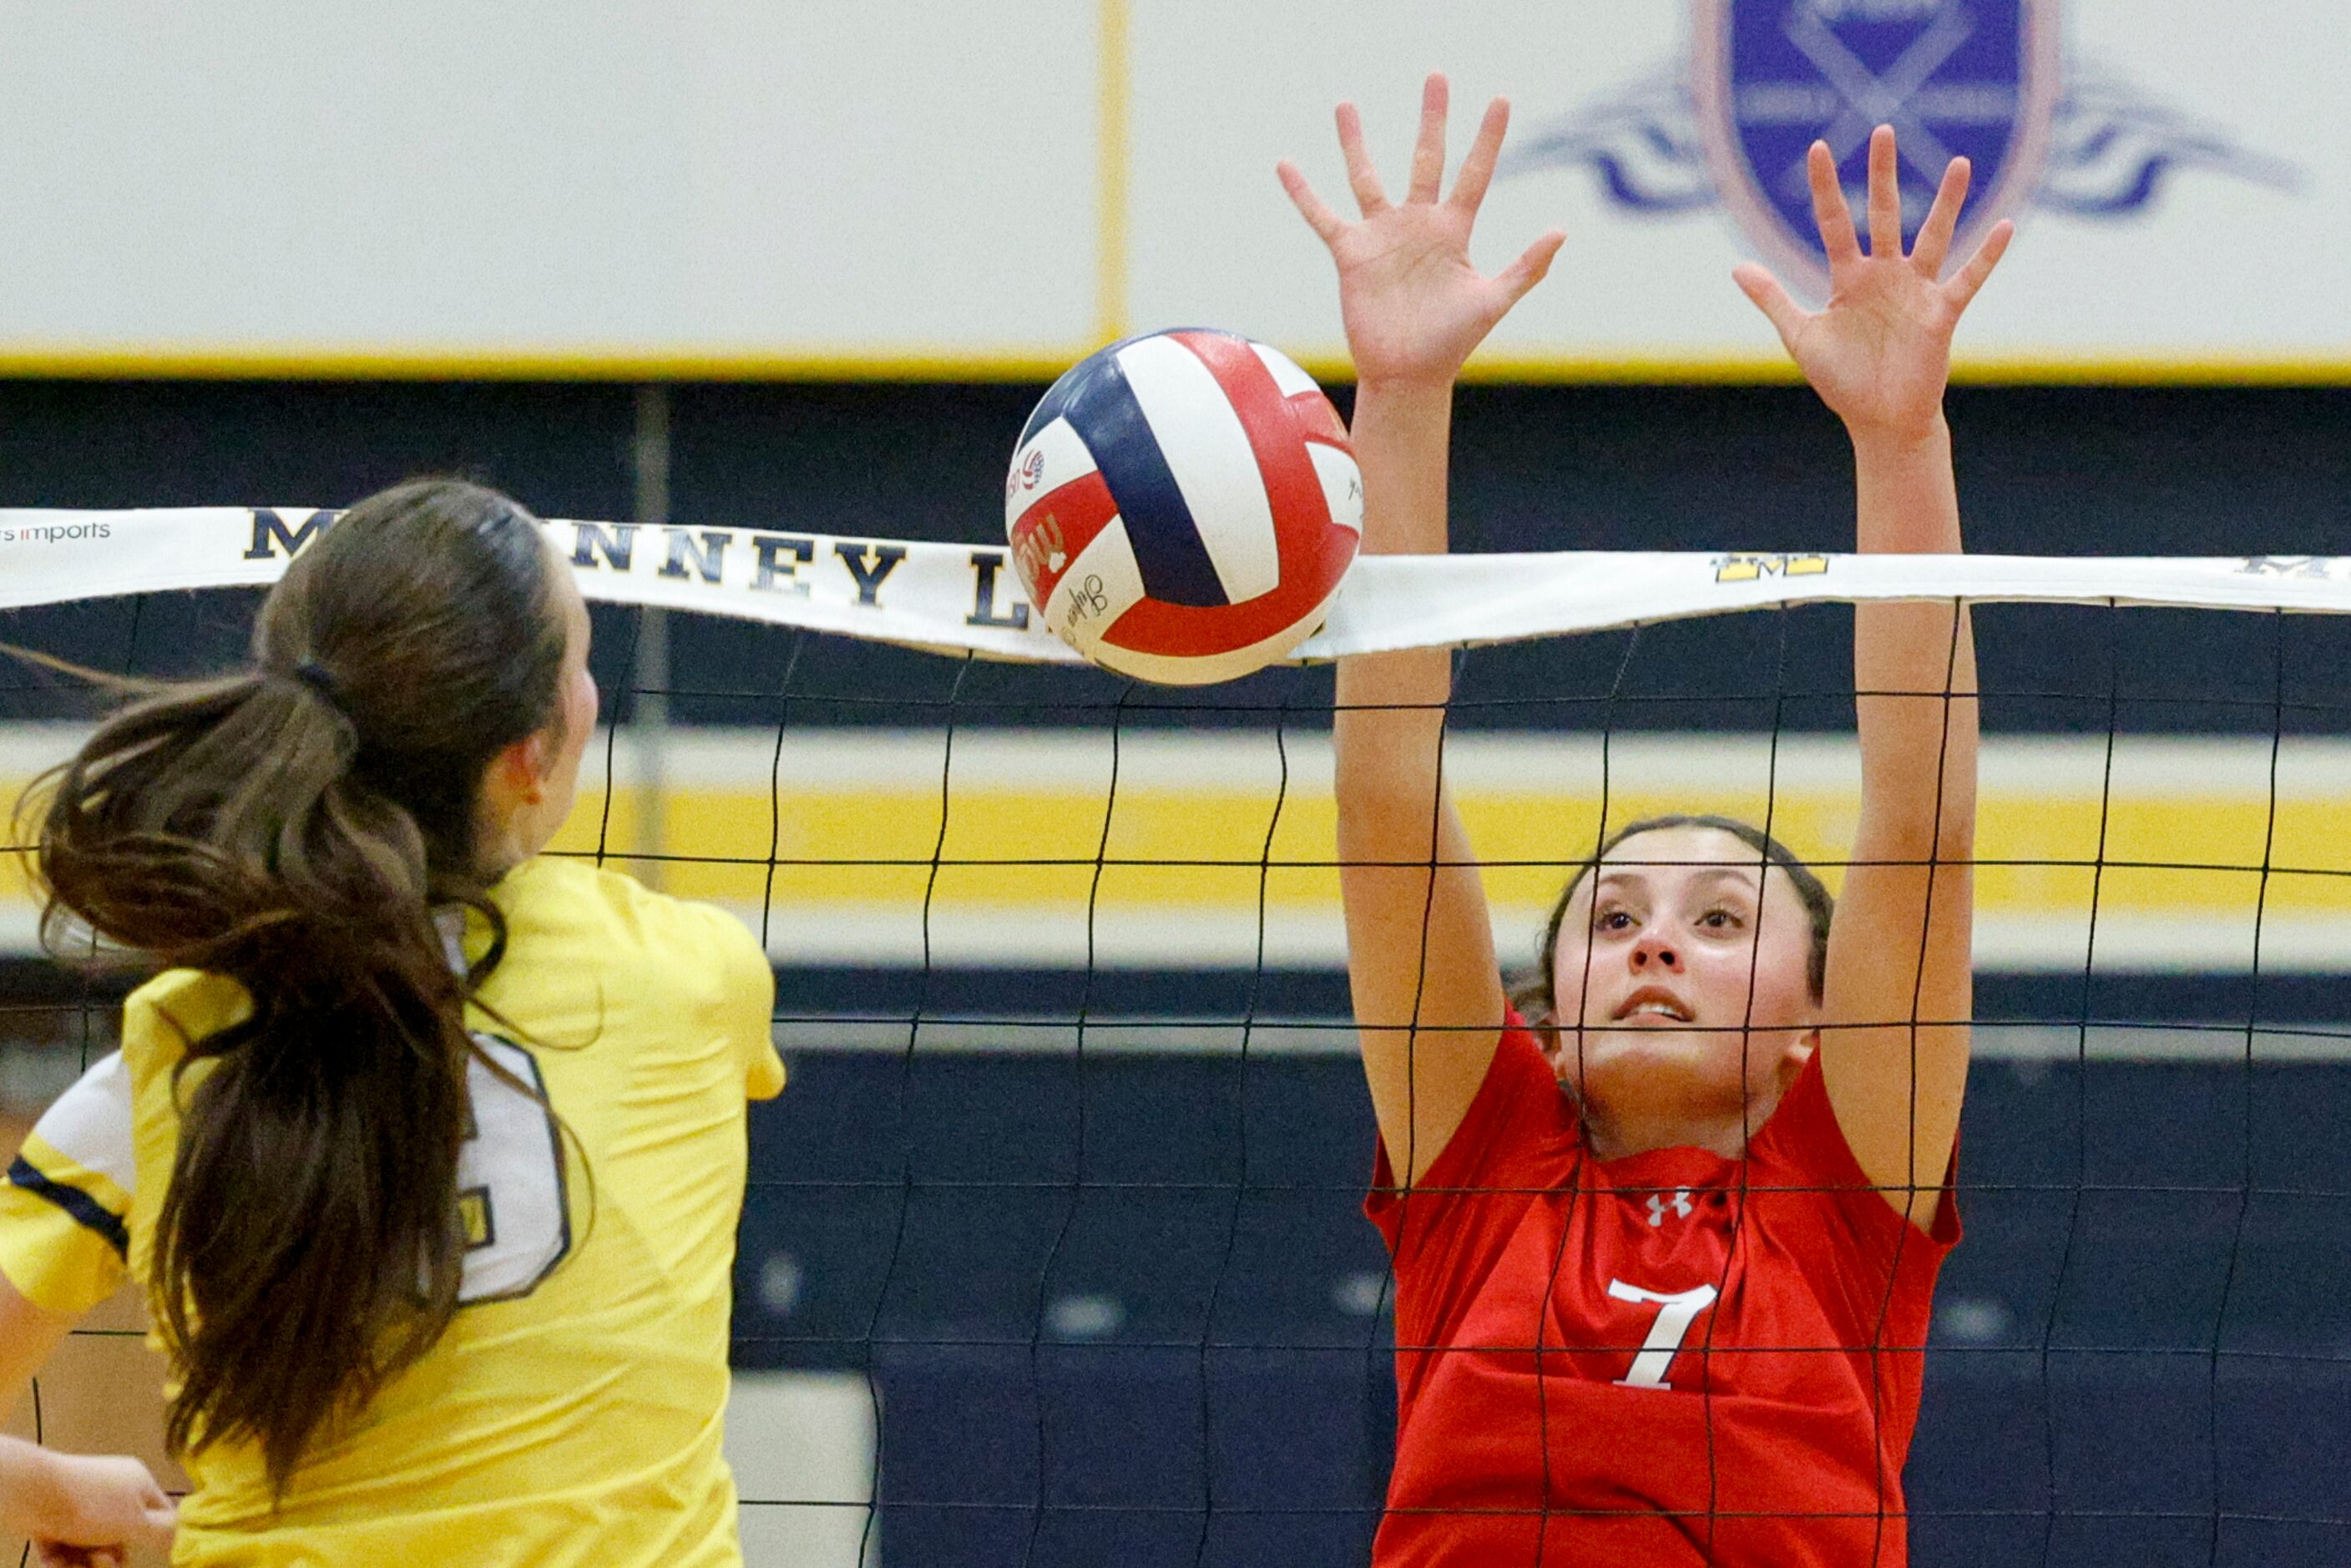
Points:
(1182, 507)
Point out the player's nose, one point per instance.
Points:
(1656, 949)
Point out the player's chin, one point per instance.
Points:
(1646, 1060)
(1605, 1051)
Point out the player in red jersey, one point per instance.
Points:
(1675, 1313)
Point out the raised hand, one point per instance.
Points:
(1879, 352)
(1413, 306)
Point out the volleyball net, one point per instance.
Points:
(1068, 1184)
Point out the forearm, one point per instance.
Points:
(1420, 949)
(28, 1484)
(1391, 706)
(28, 1334)
(1899, 950)
(81, 1508)
(1914, 665)
(1388, 732)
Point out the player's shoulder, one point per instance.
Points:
(164, 1017)
(612, 907)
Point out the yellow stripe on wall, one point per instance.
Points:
(857, 829)
(1205, 848)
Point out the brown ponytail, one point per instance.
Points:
(294, 828)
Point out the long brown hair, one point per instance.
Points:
(1534, 994)
(294, 827)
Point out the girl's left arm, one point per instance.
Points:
(1894, 1038)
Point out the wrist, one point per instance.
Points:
(1900, 441)
(1406, 388)
(34, 1480)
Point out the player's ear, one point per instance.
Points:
(1800, 1050)
(1557, 1048)
(515, 775)
(538, 754)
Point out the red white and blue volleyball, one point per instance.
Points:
(1182, 507)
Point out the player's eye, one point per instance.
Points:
(1612, 920)
(1720, 920)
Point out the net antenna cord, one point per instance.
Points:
(967, 599)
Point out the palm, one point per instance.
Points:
(1412, 305)
(1879, 352)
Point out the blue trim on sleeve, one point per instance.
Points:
(85, 1210)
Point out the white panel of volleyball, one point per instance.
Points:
(964, 598)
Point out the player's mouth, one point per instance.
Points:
(1651, 1004)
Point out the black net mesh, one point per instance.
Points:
(1057, 1236)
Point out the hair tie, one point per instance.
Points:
(321, 680)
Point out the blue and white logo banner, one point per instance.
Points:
(1955, 78)
(2181, 175)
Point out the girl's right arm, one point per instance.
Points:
(1420, 949)
(78, 1509)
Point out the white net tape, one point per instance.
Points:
(967, 598)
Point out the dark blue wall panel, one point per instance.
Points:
(2149, 1307)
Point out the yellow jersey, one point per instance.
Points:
(572, 1412)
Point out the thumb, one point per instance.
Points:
(1533, 265)
(1787, 317)
(161, 1516)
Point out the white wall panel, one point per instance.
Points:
(725, 177)
(795, 187)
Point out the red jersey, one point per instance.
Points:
(1671, 1358)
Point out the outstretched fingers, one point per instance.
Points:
(1362, 177)
(1478, 167)
(1829, 210)
(1317, 213)
(1934, 242)
(1961, 289)
(1428, 148)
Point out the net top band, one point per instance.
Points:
(964, 597)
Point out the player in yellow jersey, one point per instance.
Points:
(428, 1152)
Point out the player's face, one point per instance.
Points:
(1682, 978)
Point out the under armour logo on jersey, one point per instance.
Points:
(1679, 1203)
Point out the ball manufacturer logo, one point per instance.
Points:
(1040, 550)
